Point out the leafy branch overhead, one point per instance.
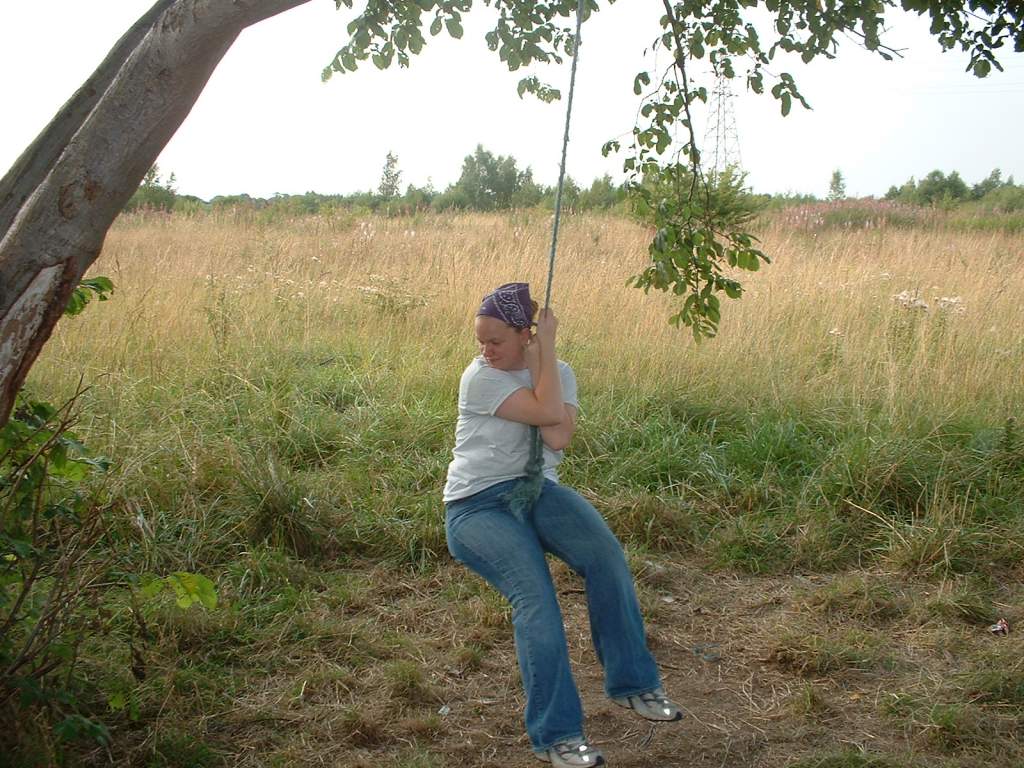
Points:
(525, 33)
(696, 242)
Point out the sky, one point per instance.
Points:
(266, 124)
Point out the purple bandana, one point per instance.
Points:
(509, 303)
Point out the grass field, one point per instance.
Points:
(822, 506)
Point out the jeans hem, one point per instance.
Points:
(634, 692)
(559, 740)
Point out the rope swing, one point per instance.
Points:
(526, 492)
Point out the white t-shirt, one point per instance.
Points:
(488, 449)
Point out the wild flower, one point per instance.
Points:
(952, 304)
(911, 301)
(390, 295)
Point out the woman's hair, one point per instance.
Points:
(534, 308)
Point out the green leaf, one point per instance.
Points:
(76, 303)
(21, 547)
(435, 27)
(416, 41)
(75, 727)
(99, 284)
(640, 81)
(117, 702)
(191, 588)
(454, 28)
(152, 588)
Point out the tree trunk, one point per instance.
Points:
(35, 162)
(64, 192)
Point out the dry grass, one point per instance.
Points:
(819, 325)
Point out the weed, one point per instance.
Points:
(417, 757)
(753, 544)
(861, 597)
(850, 650)
(950, 725)
(1001, 682)
(849, 758)
(423, 728)
(283, 514)
(469, 657)
(407, 680)
(808, 701)
(968, 599)
(178, 749)
(360, 729)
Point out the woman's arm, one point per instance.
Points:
(557, 437)
(541, 406)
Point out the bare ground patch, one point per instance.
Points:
(380, 668)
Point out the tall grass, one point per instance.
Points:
(295, 382)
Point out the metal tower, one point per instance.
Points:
(721, 139)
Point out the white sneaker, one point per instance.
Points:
(574, 753)
(653, 705)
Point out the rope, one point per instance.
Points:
(565, 147)
(526, 492)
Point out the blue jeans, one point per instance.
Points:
(509, 553)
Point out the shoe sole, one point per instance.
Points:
(545, 758)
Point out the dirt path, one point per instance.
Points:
(854, 670)
(708, 636)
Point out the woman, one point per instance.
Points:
(517, 381)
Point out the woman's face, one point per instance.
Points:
(501, 345)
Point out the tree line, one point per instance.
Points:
(937, 189)
(488, 182)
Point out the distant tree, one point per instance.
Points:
(602, 194)
(936, 188)
(906, 193)
(836, 187)
(417, 198)
(528, 192)
(990, 183)
(453, 198)
(390, 178)
(244, 200)
(490, 182)
(570, 195)
(154, 193)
